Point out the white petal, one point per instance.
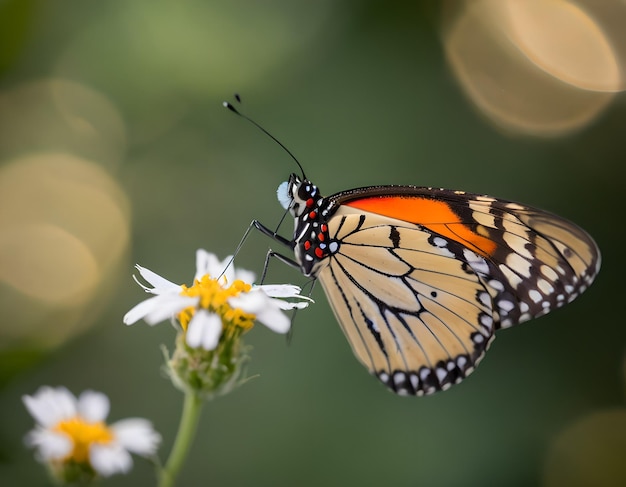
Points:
(169, 307)
(251, 302)
(159, 308)
(281, 290)
(144, 308)
(204, 330)
(137, 435)
(265, 309)
(93, 406)
(202, 257)
(109, 459)
(228, 273)
(159, 284)
(274, 319)
(208, 264)
(285, 291)
(49, 406)
(244, 275)
(287, 305)
(50, 445)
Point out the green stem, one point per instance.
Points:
(184, 438)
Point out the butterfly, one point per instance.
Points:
(421, 278)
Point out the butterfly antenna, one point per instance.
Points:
(245, 117)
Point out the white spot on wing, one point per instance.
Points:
(441, 374)
(497, 285)
(519, 264)
(517, 244)
(442, 245)
(514, 279)
(506, 323)
(549, 272)
(440, 242)
(485, 219)
(477, 263)
(544, 286)
(485, 299)
(398, 378)
(486, 320)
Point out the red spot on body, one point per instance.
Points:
(312, 215)
(310, 202)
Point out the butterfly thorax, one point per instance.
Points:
(311, 241)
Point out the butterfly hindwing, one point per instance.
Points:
(415, 315)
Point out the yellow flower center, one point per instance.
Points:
(83, 435)
(214, 298)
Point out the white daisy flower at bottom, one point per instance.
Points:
(73, 439)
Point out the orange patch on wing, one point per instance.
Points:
(434, 215)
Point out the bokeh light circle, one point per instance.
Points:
(64, 228)
(533, 68)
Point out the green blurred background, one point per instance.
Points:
(114, 149)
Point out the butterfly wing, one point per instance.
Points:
(422, 278)
(410, 311)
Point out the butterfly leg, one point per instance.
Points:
(284, 259)
(270, 253)
(270, 233)
(264, 230)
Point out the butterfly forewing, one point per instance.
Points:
(546, 260)
(536, 260)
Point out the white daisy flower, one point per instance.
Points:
(220, 294)
(72, 431)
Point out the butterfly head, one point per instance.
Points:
(311, 241)
(298, 195)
